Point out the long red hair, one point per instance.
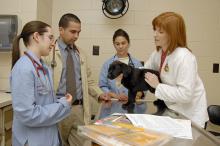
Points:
(173, 24)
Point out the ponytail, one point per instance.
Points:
(15, 50)
(28, 29)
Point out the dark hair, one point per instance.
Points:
(66, 18)
(28, 29)
(121, 32)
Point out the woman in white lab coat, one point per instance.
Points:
(181, 88)
(36, 110)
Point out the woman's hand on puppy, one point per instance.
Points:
(152, 79)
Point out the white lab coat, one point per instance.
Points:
(181, 87)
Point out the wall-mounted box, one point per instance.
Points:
(8, 30)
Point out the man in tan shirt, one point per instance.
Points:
(85, 88)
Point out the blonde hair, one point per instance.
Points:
(173, 24)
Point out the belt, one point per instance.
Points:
(78, 102)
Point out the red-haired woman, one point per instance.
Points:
(181, 88)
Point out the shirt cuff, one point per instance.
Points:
(157, 92)
(64, 102)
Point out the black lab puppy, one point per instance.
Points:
(133, 79)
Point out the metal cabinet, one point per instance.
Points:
(6, 116)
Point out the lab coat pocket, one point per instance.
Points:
(41, 88)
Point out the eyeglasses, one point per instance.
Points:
(51, 37)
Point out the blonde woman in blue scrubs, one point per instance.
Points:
(36, 109)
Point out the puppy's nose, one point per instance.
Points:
(110, 76)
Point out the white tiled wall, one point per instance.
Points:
(202, 19)
(44, 10)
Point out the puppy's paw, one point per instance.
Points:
(139, 96)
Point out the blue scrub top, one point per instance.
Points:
(36, 109)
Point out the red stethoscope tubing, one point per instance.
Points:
(163, 57)
(36, 65)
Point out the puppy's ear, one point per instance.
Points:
(126, 70)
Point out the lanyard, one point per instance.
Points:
(36, 65)
(163, 57)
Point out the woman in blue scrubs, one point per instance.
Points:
(36, 109)
(121, 43)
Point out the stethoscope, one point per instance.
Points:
(36, 65)
(45, 86)
(130, 62)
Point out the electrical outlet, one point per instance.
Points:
(215, 67)
(95, 50)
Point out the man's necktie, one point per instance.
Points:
(70, 74)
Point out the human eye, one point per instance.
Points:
(51, 37)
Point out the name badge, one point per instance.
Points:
(166, 68)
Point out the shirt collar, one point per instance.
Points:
(61, 44)
(34, 56)
(116, 56)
